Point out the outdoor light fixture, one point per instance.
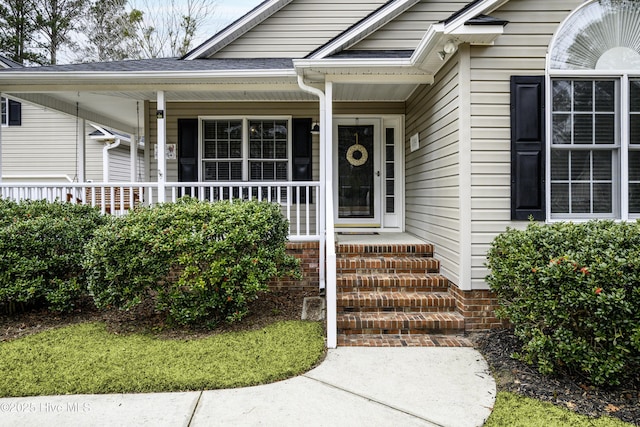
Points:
(450, 47)
(315, 129)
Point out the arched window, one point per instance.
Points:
(594, 116)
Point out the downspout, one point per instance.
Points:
(105, 159)
(327, 254)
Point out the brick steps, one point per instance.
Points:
(400, 323)
(391, 282)
(391, 340)
(390, 264)
(393, 295)
(396, 301)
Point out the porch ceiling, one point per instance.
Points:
(119, 108)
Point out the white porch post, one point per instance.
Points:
(162, 144)
(133, 147)
(82, 143)
(327, 130)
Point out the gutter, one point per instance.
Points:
(328, 247)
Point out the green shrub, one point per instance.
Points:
(41, 252)
(201, 262)
(572, 293)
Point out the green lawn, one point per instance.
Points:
(85, 358)
(512, 410)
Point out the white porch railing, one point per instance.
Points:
(299, 201)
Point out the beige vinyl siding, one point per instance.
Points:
(520, 50)
(432, 172)
(44, 145)
(299, 28)
(93, 158)
(406, 31)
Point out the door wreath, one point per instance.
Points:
(357, 148)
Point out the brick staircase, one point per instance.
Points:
(394, 295)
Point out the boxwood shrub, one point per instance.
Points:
(41, 252)
(200, 262)
(572, 293)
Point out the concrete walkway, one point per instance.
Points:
(354, 386)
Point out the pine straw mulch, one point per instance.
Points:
(563, 389)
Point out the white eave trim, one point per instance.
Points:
(136, 77)
(237, 29)
(364, 28)
(352, 63)
(484, 7)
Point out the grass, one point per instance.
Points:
(517, 411)
(86, 358)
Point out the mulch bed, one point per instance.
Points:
(563, 389)
(270, 307)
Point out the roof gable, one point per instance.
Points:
(363, 28)
(237, 28)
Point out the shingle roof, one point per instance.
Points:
(167, 64)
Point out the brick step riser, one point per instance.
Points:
(426, 289)
(385, 284)
(384, 250)
(378, 331)
(368, 256)
(414, 309)
(376, 271)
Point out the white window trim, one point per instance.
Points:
(621, 178)
(245, 143)
(5, 101)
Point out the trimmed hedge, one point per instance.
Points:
(41, 252)
(572, 293)
(201, 262)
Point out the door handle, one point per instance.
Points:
(378, 173)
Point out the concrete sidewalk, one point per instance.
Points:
(354, 386)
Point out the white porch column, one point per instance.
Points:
(327, 130)
(133, 151)
(81, 167)
(162, 144)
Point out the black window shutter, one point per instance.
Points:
(188, 152)
(15, 113)
(302, 154)
(527, 148)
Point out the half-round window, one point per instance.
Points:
(601, 35)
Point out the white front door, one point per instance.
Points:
(357, 162)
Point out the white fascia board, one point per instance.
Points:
(428, 43)
(483, 7)
(240, 27)
(143, 75)
(477, 30)
(364, 28)
(27, 81)
(398, 79)
(351, 63)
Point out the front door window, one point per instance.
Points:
(356, 196)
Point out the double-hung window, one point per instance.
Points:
(240, 149)
(593, 159)
(585, 148)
